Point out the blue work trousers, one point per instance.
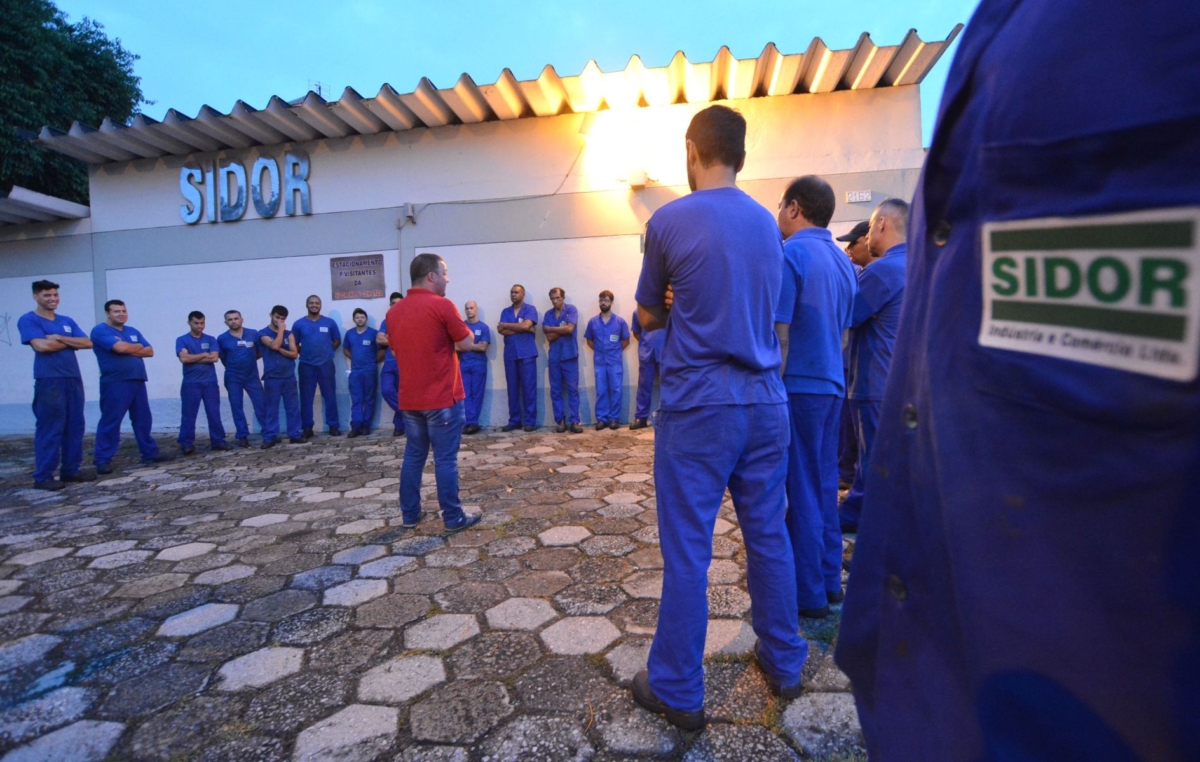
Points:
(58, 409)
(311, 377)
(362, 398)
(474, 382)
(389, 388)
(866, 423)
(274, 390)
(609, 380)
(847, 445)
(564, 382)
(697, 454)
(812, 492)
(252, 388)
(521, 377)
(116, 399)
(440, 429)
(647, 371)
(192, 395)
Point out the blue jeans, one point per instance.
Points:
(812, 488)
(192, 395)
(58, 408)
(564, 382)
(697, 454)
(253, 388)
(311, 377)
(441, 428)
(116, 399)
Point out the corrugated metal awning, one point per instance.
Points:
(817, 70)
(20, 205)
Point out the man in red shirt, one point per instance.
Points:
(424, 330)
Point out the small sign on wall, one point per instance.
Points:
(359, 277)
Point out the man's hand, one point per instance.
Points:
(669, 297)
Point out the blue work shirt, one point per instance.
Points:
(720, 251)
(475, 360)
(113, 366)
(520, 346)
(876, 320)
(239, 356)
(1026, 581)
(389, 359)
(816, 300)
(363, 349)
(315, 339)
(564, 347)
(649, 342)
(60, 364)
(197, 372)
(275, 365)
(606, 338)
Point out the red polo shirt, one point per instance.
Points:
(422, 329)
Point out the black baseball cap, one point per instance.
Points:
(859, 231)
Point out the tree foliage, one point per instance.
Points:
(52, 73)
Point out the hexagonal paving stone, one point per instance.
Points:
(104, 548)
(181, 552)
(580, 635)
(360, 555)
(259, 497)
(568, 535)
(511, 546)
(26, 650)
(442, 632)
(495, 655)
(118, 560)
(38, 556)
(263, 667)
(398, 680)
(387, 567)
(143, 588)
(824, 725)
(83, 741)
(362, 526)
(355, 592)
(538, 737)
(728, 636)
(520, 614)
(358, 732)
(452, 557)
(608, 545)
(322, 577)
(460, 712)
(225, 574)
(265, 519)
(644, 585)
(361, 492)
(740, 742)
(197, 620)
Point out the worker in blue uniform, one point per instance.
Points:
(120, 352)
(473, 364)
(279, 379)
(711, 276)
(239, 350)
(875, 321)
(816, 300)
(199, 354)
(389, 377)
(1026, 582)
(364, 354)
(607, 336)
(517, 325)
(558, 324)
(57, 389)
(860, 256)
(649, 354)
(318, 337)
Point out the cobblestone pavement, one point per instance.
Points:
(267, 605)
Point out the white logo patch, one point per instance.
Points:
(133, 337)
(324, 329)
(66, 329)
(1121, 291)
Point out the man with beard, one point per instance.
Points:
(607, 336)
(517, 325)
(559, 326)
(239, 351)
(318, 338)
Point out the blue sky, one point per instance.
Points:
(216, 52)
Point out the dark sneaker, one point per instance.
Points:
(334, 431)
(468, 521)
(820, 613)
(308, 434)
(298, 440)
(835, 598)
(222, 447)
(104, 468)
(268, 445)
(601, 425)
(187, 450)
(471, 428)
(561, 428)
(643, 696)
(531, 428)
(640, 423)
(576, 428)
(80, 477)
(614, 425)
(353, 434)
(397, 432)
(160, 458)
(410, 524)
(49, 485)
(510, 427)
(244, 442)
(786, 692)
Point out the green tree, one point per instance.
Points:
(52, 73)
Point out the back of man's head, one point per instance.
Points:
(719, 134)
(881, 238)
(815, 198)
(422, 266)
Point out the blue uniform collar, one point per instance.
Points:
(822, 234)
(899, 249)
